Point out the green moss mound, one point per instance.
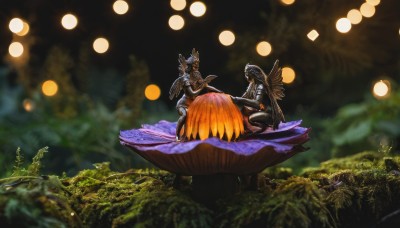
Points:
(362, 190)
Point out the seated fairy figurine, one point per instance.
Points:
(260, 99)
(192, 84)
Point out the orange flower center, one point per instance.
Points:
(213, 115)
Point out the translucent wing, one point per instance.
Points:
(178, 83)
(275, 92)
(274, 80)
(176, 88)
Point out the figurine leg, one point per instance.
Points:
(259, 119)
(181, 122)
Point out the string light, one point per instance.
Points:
(367, 10)
(69, 21)
(288, 2)
(263, 48)
(16, 49)
(373, 2)
(176, 22)
(381, 89)
(354, 16)
(152, 92)
(197, 9)
(49, 88)
(24, 30)
(178, 5)
(343, 25)
(101, 45)
(313, 35)
(226, 37)
(16, 25)
(28, 105)
(120, 7)
(288, 75)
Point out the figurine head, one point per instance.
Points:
(254, 73)
(193, 61)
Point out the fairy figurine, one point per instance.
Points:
(259, 102)
(192, 84)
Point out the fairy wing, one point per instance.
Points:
(178, 83)
(275, 92)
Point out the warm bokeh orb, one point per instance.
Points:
(213, 115)
(178, 5)
(226, 38)
(16, 49)
(198, 9)
(313, 35)
(288, 2)
(343, 25)
(152, 92)
(367, 10)
(69, 21)
(120, 7)
(25, 30)
(288, 75)
(264, 48)
(28, 105)
(16, 25)
(176, 22)
(381, 89)
(101, 45)
(373, 2)
(354, 16)
(49, 88)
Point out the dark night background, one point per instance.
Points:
(332, 72)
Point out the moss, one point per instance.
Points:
(355, 191)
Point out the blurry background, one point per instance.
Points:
(74, 73)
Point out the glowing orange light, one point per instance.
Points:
(313, 35)
(373, 2)
(49, 88)
(367, 10)
(152, 92)
(28, 105)
(263, 48)
(288, 2)
(288, 75)
(354, 16)
(178, 5)
(24, 30)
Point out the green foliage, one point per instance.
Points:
(34, 168)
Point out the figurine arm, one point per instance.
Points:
(213, 89)
(192, 93)
(247, 102)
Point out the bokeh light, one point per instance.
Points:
(288, 75)
(16, 25)
(120, 7)
(49, 88)
(381, 89)
(28, 105)
(343, 25)
(69, 21)
(373, 2)
(176, 22)
(100, 45)
(367, 10)
(354, 16)
(288, 2)
(313, 35)
(178, 5)
(226, 37)
(152, 92)
(198, 9)
(16, 49)
(24, 30)
(263, 48)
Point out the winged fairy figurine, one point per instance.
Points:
(259, 102)
(191, 83)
